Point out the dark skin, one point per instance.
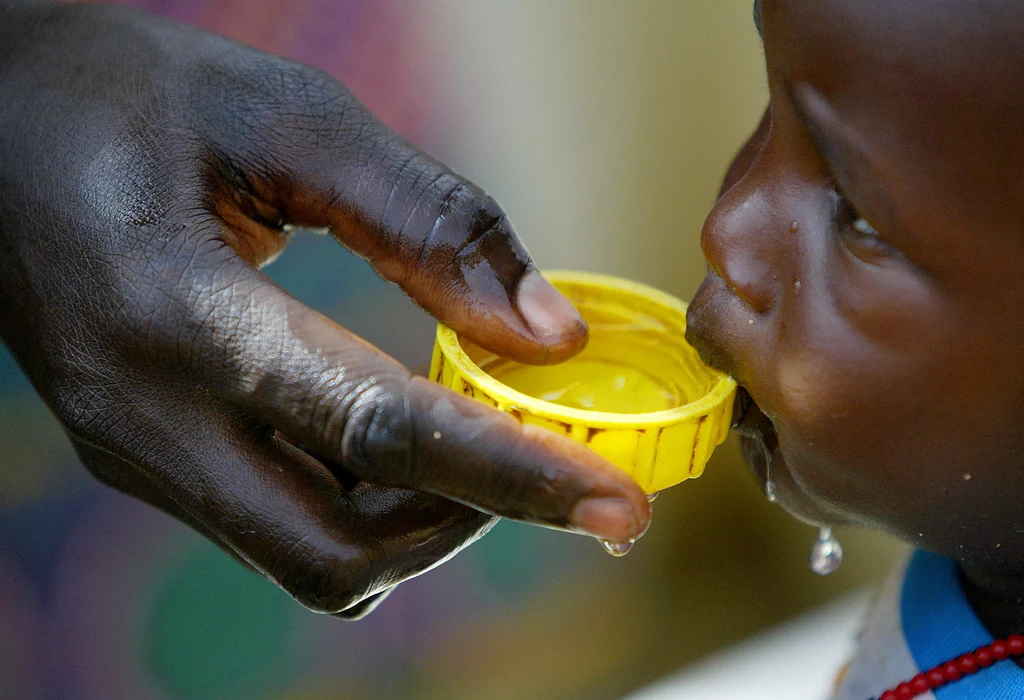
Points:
(147, 171)
(865, 278)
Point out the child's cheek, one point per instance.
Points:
(854, 363)
(838, 413)
(820, 392)
(804, 389)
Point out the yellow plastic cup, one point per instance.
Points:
(638, 395)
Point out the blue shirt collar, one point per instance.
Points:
(939, 625)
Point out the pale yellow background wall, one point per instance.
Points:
(603, 127)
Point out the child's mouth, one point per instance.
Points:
(740, 407)
(757, 437)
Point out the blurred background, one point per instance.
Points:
(603, 128)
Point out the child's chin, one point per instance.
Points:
(759, 444)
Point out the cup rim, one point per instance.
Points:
(451, 347)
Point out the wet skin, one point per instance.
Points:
(866, 285)
(147, 170)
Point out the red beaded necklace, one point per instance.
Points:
(955, 669)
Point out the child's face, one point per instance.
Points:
(867, 271)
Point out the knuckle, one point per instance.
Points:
(488, 222)
(468, 225)
(486, 211)
(378, 433)
(469, 206)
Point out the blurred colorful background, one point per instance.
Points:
(603, 127)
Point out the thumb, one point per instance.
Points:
(320, 159)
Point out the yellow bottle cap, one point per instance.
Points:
(638, 395)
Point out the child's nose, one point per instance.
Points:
(740, 246)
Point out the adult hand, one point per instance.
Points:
(147, 170)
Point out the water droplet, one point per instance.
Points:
(796, 285)
(437, 434)
(967, 477)
(827, 554)
(616, 549)
(769, 487)
(652, 496)
(794, 227)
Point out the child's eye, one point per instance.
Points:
(861, 225)
(858, 232)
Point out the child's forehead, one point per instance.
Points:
(925, 40)
(933, 88)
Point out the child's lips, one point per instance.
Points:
(706, 330)
(755, 456)
(740, 407)
(757, 435)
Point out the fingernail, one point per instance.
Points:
(549, 314)
(606, 518)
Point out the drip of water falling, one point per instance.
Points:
(616, 549)
(769, 487)
(827, 554)
(621, 549)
